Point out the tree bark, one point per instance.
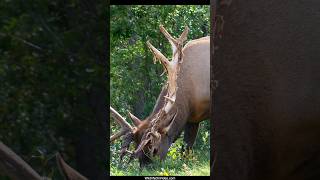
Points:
(266, 107)
(91, 151)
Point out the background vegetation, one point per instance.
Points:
(54, 83)
(136, 82)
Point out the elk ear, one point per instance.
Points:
(136, 121)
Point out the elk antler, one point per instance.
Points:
(125, 126)
(136, 121)
(168, 126)
(175, 42)
(165, 117)
(16, 168)
(68, 171)
(171, 67)
(13, 166)
(142, 144)
(177, 45)
(126, 130)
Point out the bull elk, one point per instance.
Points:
(182, 104)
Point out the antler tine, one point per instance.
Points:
(168, 126)
(158, 55)
(175, 41)
(141, 145)
(171, 39)
(184, 35)
(121, 120)
(170, 99)
(136, 121)
(125, 126)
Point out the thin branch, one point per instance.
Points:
(24, 41)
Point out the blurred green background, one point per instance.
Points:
(53, 83)
(136, 82)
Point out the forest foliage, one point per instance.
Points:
(52, 69)
(135, 80)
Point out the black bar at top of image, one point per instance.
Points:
(159, 2)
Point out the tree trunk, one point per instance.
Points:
(91, 151)
(266, 114)
(91, 147)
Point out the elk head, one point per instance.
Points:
(130, 134)
(156, 140)
(144, 136)
(151, 135)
